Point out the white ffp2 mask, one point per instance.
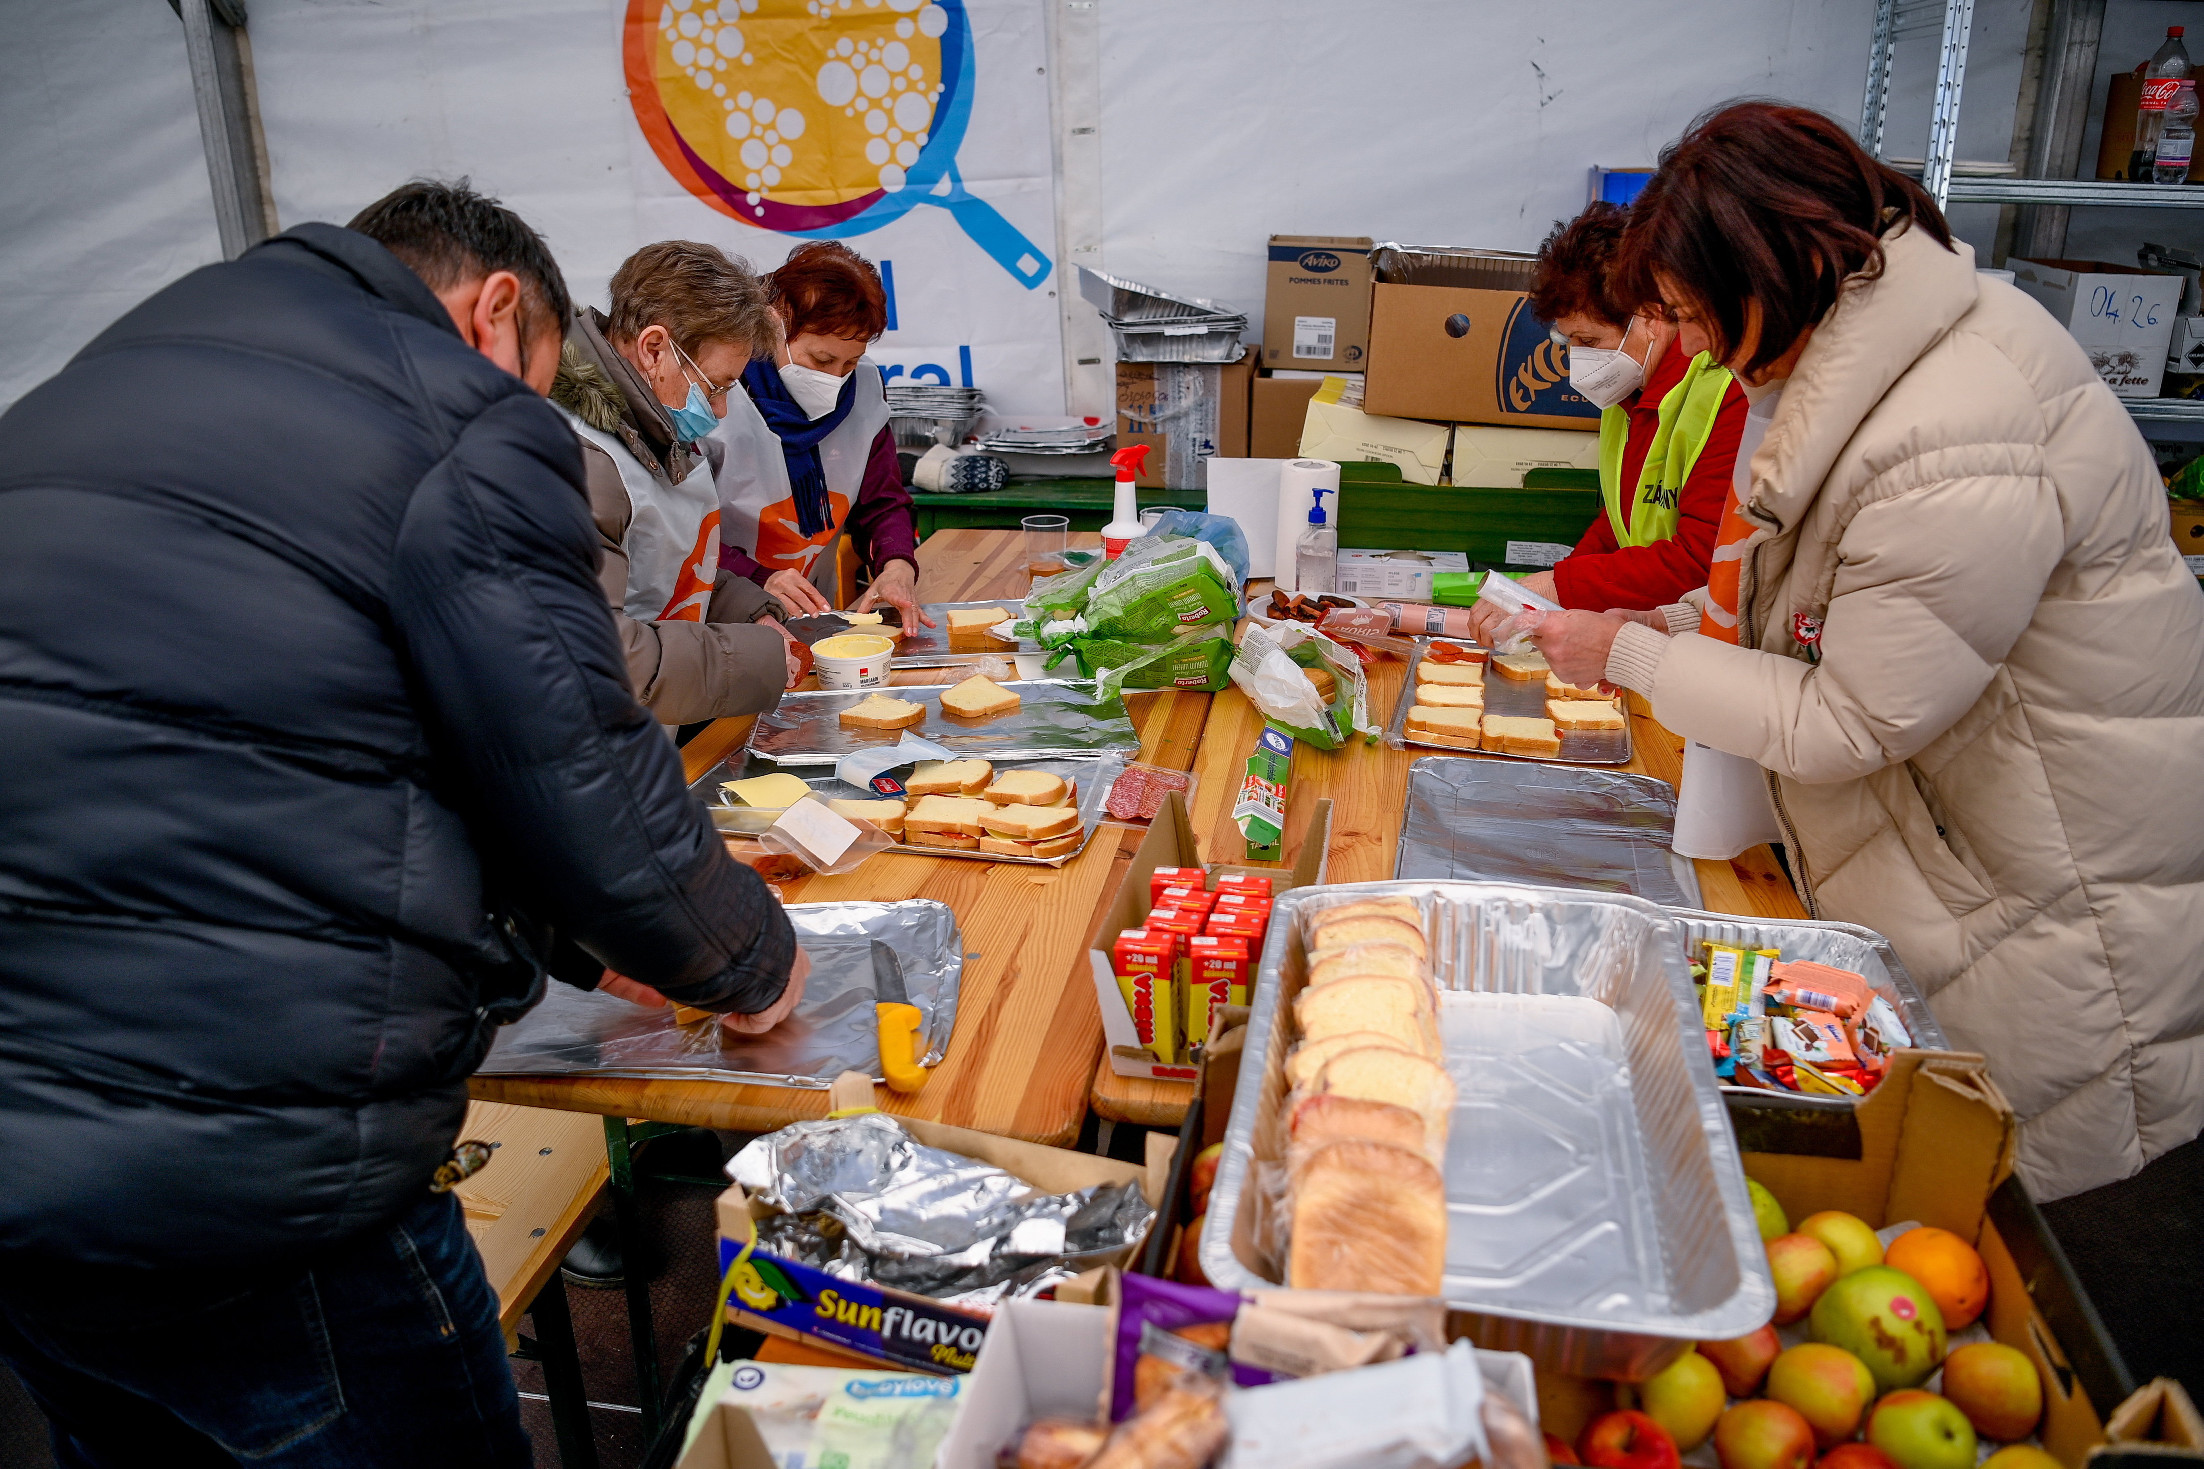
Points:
(1604, 376)
(815, 392)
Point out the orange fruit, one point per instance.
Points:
(1947, 1268)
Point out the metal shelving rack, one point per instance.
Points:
(2049, 189)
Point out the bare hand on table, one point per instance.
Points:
(1485, 617)
(797, 593)
(637, 993)
(897, 585)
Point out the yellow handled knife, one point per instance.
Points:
(901, 1045)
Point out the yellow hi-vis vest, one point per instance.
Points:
(1686, 423)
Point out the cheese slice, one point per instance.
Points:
(774, 792)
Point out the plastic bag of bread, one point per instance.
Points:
(1053, 1443)
(1183, 1427)
(1160, 1329)
(1367, 1216)
(1426, 1411)
(1304, 683)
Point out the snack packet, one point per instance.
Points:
(1274, 664)
(1201, 661)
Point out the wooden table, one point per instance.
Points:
(1086, 502)
(1366, 784)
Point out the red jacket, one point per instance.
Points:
(1599, 574)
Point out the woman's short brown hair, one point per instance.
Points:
(698, 293)
(1576, 268)
(1760, 202)
(827, 288)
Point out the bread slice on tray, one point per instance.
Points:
(1053, 847)
(1396, 961)
(1380, 1074)
(950, 778)
(1331, 1117)
(1336, 929)
(1407, 910)
(1460, 728)
(887, 815)
(1401, 1023)
(1365, 1003)
(1556, 689)
(948, 841)
(969, 628)
(1513, 735)
(1452, 675)
(1450, 696)
(979, 697)
(1028, 823)
(946, 815)
(881, 711)
(1568, 714)
(1308, 1058)
(1368, 1216)
(1522, 667)
(1027, 788)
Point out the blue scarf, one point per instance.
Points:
(799, 438)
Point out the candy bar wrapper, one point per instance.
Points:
(1814, 986)
(1144, 1304)
(1813, 1035)
(1726, 972)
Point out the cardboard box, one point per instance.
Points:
(2122, 316)
(1170, 843)
(748, 1409)
(1188, 413)
(1279, 408)
(913, 1331)
(1468, 357)
(1316, 304)
(1397, 576)
(2185, 348)
(2188, 532)
(1497, 458)
(1332, 430)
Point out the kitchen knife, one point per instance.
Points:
(900, 1044)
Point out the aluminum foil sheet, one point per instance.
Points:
(835, 1029)
(1496, 821)
(928, 647)
(864, 1200)
(1525, 698)
(1597, 1213)
(1056, 717)
(1093, 777)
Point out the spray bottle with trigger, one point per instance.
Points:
(1125, 511)
(1316, 554)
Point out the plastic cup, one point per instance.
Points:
(1047, 537)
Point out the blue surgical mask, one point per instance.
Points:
(695, 418)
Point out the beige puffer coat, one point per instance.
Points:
(1995, 761)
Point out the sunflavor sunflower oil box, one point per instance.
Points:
(1170, 843)
(789, 1298)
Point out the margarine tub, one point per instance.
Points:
(853, 660)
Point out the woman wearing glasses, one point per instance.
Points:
(644, 387)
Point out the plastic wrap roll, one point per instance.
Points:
(1297, 478)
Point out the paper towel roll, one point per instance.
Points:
(1296, 479)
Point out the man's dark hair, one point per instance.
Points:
(447, 233)
(1763, 203)
(1576, 268)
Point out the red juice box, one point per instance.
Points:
(1175, 877)
(1216, 977)
(1146, 965)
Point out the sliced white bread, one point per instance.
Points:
(1357, 960)
(1333, 1117)
(887, 815)
(1320, 679)
(1336, 930)
(1309, 1057)
(951, 815)
(1556, 689)
(970, 628)
(1053, 847)
(948, 841)
(1522, 667)
(1445, 725)
(1405, 909)
(1404, 1026)
(1364, 1004)
(1349, 1195)
(950, 778)
(1028, 823)
(880, 711)
(1450, 696)
(1514, 735)
(1456, 675)
(979, 697)
(1381, 1074)
(1027, 788)
(1570, 714)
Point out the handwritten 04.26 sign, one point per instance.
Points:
(819, 118)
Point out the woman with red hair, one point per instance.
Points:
(810, 455)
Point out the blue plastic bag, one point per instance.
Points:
(1220, 531)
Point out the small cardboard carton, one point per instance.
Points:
(2122, 316)
(1330, 429)
(1468, 356)
(789, 1298)
(1316, 304)
(1170, 843)
(1276, 413)
(1395, 576)
(1188, 413)
(1498, 458)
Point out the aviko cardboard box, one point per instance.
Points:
(2123, 317)
(1467, 356)
(1316, 304)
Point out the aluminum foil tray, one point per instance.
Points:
(1516, 697)
(1094, 778)
(1452, 265)
(1841, 945)
(1145, 344)
(1058, 718)
(587, 1033)
(1499, 821)
(1598, 1216)
(1125, 300)
(928, 647)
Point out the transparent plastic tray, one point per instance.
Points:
(1522, 698)
(1598, 1219)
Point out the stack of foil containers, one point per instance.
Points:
(1152, 325)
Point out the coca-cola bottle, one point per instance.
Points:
(2177, 141)
(2162, 78)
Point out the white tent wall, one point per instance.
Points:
(103, 196)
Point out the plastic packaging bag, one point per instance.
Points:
(1183, 1428)
(823, 839)
(1219, 531)
(1420, 1412)
(1202, 661)
(1273, 666)
(1512, 597)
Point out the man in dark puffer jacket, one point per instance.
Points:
(315, 725)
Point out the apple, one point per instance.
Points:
(1189, 1270)
(1763, 1435)
(1883, 1317)
(1558, 1450)
(1848, 1238)
(1201, 1177)
(1803, 1268)
(1743, 1360)
(1626, 1440)
(1767, 1213)
(1922, 1431)
(1829, 1386)
(2021, 1456)
(1685, 1397)
(1996, 1387)
(1856, 1456)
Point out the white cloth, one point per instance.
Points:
(753, 480)
(1722, 807)
(672, 542)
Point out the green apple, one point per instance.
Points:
(1996, 1387)
(1883, 1317)
(1767, 1213)
(1848, 1238)
(1685, 1397)
(1922, 1431)
(1802, 1268)
(1829, 1386)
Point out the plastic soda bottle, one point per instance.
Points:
(2162, 78)
(2177, 142)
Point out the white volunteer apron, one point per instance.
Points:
(753, 482)
(1722, 805)
(672, 542)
